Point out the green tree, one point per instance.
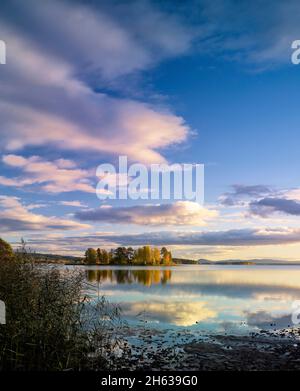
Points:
(130, 254)
(105, 257)
(138, 256)
(120, 256)
(6, 252)
(99, 256)
(91, 256)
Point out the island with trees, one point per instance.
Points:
(146, 255)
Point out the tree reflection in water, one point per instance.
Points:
(146, 277)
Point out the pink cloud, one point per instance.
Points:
(16, 217)
(45, 103)
(52, 177)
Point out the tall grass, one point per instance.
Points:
(50, 323)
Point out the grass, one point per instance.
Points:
(50, 323)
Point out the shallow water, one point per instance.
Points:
(201, 299)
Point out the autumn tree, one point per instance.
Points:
(166, 256)
(6, 252)
(138, 256)
(147, 255)
(156, 256)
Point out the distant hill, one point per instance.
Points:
(182, 261)
(53, 258)
(72, 260)
(248, 262)
(69, 260)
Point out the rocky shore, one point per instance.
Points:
(264, 350)
(253, 353)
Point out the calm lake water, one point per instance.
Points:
(208, 299)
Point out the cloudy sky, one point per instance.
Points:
(173, 82)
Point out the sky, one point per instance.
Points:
(206, 82)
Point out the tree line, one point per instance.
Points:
(145, 255)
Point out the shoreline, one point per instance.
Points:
(260, 351)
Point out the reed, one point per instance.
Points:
(50, 323)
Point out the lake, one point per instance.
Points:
(206, 299)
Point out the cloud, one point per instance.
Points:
(178, 213)
(234, 237)
(53, 177)
(36, 206)
(218, 240)
(262, 200)
(103, 124)
(268, 206)
(55, 91)
(75, 204)
(251, 190)
(239, 31)
(16, 217)
(58, 242)
(50, 93)
(114, 39)
(292, 194)
(241, 193)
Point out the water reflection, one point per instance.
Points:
(215, 299)
(176, 313)
(145, 277)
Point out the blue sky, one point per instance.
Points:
(193, 82)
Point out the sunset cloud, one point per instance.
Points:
(215, 244)
(178, 213)
(233, 237)
(88, 81)
(75, 204)
(16, 217)
(53, 177)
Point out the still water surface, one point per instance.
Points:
(208, 299)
